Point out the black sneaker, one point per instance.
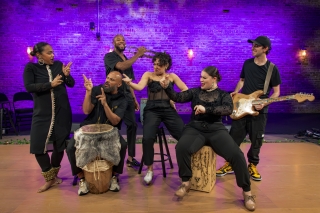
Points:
(133, 163)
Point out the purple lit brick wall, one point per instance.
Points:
(217, 32)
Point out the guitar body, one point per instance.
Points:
(242, 105)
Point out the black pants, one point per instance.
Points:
(44, 159)
(130, 121)
(71, 152)
(255, 127)
(196, 135)
(151, 121)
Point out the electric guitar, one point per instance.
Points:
(244, 104)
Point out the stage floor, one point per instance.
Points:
(290, 173)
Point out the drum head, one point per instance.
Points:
(96, 128)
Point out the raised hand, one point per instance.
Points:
(57, 81)
(199, 109)
(66, 69)
(141, 51)
(102, 97)
(126, 79)
(87, 83)
(164, 82)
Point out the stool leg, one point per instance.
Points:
(161, 153)
(167, 148)
(141, 165)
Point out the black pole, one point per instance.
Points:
(1, 118)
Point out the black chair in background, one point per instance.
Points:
(6, 121)
(23, 114)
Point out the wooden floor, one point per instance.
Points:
(290, 183)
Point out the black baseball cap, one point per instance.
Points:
(261, 40)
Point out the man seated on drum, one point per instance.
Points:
(96, 105)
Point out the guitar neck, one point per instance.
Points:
(272, 100)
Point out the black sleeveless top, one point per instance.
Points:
(157, 97)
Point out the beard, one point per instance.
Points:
(109, 89)
(120, 50)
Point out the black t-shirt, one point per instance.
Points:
(255, 77)
(110, 61)
(116, 102)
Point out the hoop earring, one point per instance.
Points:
(40, 61)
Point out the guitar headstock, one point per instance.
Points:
(300, 97)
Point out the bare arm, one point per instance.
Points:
(238, 87)
(142, 83)
(87, 106)
(275, 94)
(123, 65)
(180, 84)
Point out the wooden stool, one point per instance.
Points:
(203, 165)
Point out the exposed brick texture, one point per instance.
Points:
(217, 31)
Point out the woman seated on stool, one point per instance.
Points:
(209, 103)
(158, 107)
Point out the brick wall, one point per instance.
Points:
(217, 32)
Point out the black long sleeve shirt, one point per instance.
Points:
(217, 102)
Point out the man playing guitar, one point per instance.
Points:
(252, 78)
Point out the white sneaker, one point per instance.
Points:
(114, 186)
(83, 188)
(148, 177)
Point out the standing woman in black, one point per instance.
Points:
(52, 117)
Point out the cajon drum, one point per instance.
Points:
(203, 165)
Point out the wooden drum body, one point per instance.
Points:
(97, 150)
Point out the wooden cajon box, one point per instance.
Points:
(203, 166)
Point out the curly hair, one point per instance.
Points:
(164, 59)
(38, 48)
(213, 72)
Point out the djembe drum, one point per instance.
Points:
(97, 150)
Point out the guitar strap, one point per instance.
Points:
(267, 81)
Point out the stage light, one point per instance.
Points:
(303, 56)
(190, 53)
(29, 49)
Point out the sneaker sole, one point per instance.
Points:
(256, 179)
(221, 175)
(148, 183)
(115, 190)
(83, 193)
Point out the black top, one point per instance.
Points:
(255, 77)
(217, 102)
(36, 81)
(116, 102)
(110, 61)
(157, 97)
